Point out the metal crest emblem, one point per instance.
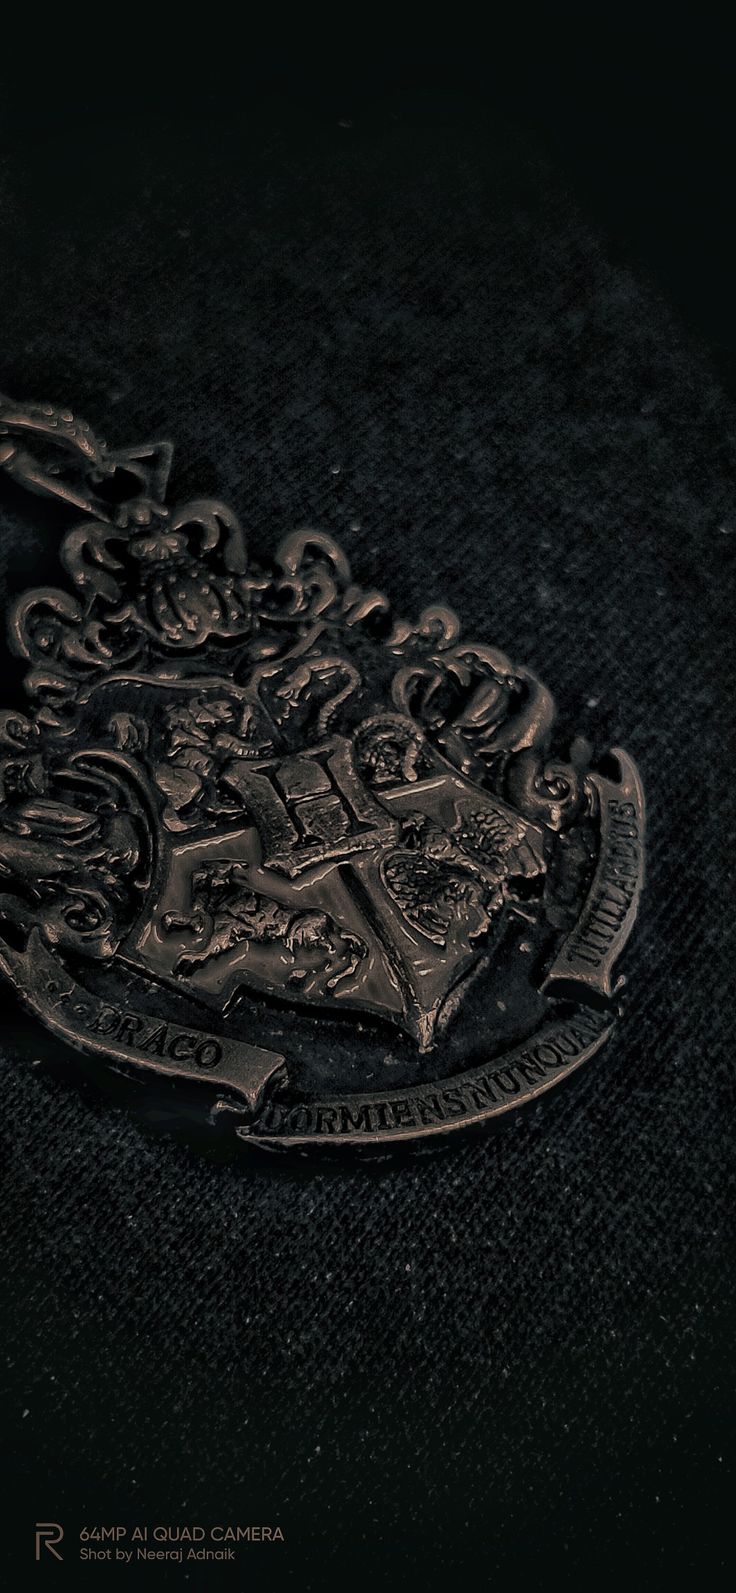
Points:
(246, 798)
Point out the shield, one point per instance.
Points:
(328, 892)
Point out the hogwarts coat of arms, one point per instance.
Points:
(245, 799)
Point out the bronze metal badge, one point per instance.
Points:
(259, 832)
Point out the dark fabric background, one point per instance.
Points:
(512, 1357)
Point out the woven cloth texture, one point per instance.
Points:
(512, 1355)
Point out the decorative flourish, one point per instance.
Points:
(77, 849)
(175, 577)
(50, 627)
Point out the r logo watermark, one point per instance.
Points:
(48, 1533)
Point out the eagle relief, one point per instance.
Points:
(260, 832)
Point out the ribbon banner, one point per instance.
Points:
(589, 954)
(118, 1032)
(519, 1076)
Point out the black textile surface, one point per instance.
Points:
(510, 1357)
